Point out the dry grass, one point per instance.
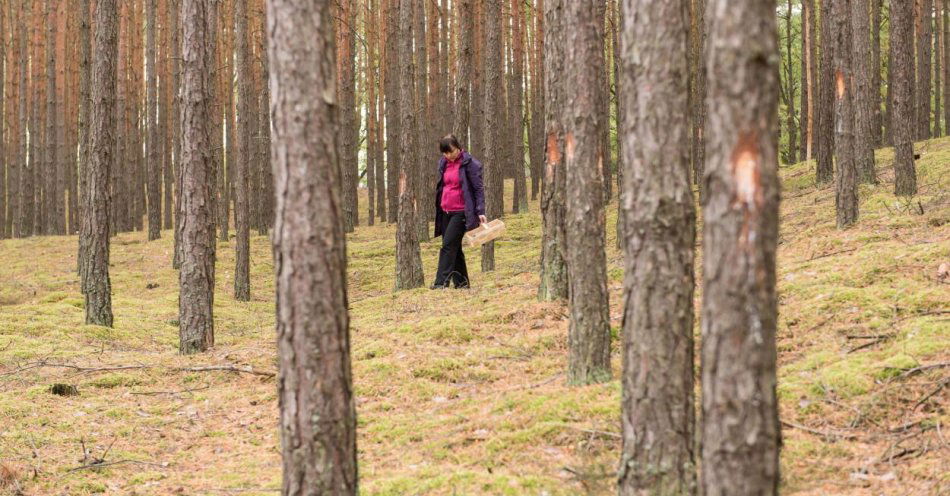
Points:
(461, 392)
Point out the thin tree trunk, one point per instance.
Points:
(658, 417)
(790, 89)
(741, 435)
(863, 92)
(176, 124)
(421, 165)
(264, 131)
(369, 73)
(196, 278)
(877, 117)
(826, 92)
(520, 203)
(379, 17)
(924, 74)
(806, 123)
(938, 64)
(97, 287)
(53, 173)
(393, 113)
(946, 65)
(242, 283)
(408, 260)
(168, 126)
(699, 101)
(346, 27)
(24, 221)
(464, 70)
(536, 139)
(153, 146)
(584, 121)
(902, 97)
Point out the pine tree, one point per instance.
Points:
(863, 94)
(902, 97)
(242, 137)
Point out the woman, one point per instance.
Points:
(459, 207)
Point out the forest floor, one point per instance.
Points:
(463, 392)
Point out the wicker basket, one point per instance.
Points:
(484, 233)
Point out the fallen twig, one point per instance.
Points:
(102, 464)
(929, 395)
(228, 368)
(833, 436)
(831, 254)
(149, 393)
(923, 368)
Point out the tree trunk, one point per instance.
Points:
(52, 194)
(553, 267)
(790, 89)
(153, 159)
(584, 121)
(95, 223)
(226, 180)
(242, 283)
(346, 32)
(393, 95)
(379, 18)
(806, 123)
(408, 260)
(741, 435)
(863, 94)
(317, 409)
(924, 55)
(516, 105)
(196, 277)
(877, 123)
(264, 132)
(369, 73)
(946, 65)
(846, 172)
(938, 63)
(492, 111)
(902, 97)
(536, 138)
(658, 416)
(420, 164)
(176, 124)
(4, 70)
(826, 92)
(24, 221)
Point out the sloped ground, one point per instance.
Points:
(462, 392)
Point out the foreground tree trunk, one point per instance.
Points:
(243, 136)
(826, 106)
(553, 267)
(658, 414)
(96, 285)
(317, 410)
(741, 436)
(196, 277)
(902, 97)
(408, 260)
(863, 94)
(584, 122)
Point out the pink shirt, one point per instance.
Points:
(453, 199)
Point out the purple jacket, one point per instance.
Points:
(470, 174)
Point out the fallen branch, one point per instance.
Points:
(833, 436)
(150, 393)
(923, 368)
(831, 254)
(228, 368)
(101, 464)
(931, 394)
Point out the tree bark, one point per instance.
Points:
(516, 106)
(553, 266)
(381, 47)
(53, 173)
(924, 74)
(741, 435)
(902, 97)
(317, 409)
(946, 65)
(938, 71)
(369, 73)
(493, 113)
(97, 287)
(24, 222)
(421, 165)
(393, 127)
(346, 26)
(790, 89)
(826, 91)
(658, 416)
(808, 72)
(242, 283)
(196, 277)
(408, 260)
(846, 172)
(153, 158)
(584, 121)
(877, 117)
(536, 141)
(863, 94)
(699, 99)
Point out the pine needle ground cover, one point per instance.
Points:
(463, 392)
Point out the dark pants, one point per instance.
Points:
(451, 259)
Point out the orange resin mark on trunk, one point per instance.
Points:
(402, 182)
(554, 154)
(570, 145)
(746, 167)
(839, 84)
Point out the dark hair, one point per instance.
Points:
(449, 143)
